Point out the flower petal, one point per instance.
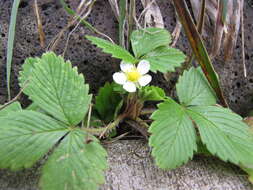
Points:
(143, 67)
(144, 80)
(125, 67)
(129, 86)
(119, 78)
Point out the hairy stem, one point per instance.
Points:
(147, 111)
(15, 98)
(101, 131)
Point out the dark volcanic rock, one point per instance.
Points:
(97, 66)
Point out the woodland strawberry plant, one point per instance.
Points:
(62, 120)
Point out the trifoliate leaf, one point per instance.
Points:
(152, 93)
(164, 59)
(145, 40)
(58, 88)
(193, 89)
(224, 133)
(25, 136)
(26, 73)
(113, 49)
(173, 136)
(106, 102)
(10, 108)
(75, 164)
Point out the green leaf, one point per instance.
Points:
(58, 88)
(10, 108)
(25, 136)
(118, 108)
(26, 73)
(193, 89)
(118, 88)
(145, 40)
(202, 148)
(35, 107)
(75, 164)
(106, 102)
(173, 136)
(224, 133)
(11, 36)
(152, 93)
(95, 121)
(164, 59)
(249, 171)
(115, 50)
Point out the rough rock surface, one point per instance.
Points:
(97, 66)
(131, 168)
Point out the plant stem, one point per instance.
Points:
(147, 111)
(140, 126)
(15, 98)
(103, 130)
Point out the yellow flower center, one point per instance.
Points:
(133, 75)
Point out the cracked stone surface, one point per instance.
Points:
(132, 168)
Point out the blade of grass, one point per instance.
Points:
(131, 16)
(176, 32)
(243, 41)
(201, 19)
(84, 22)
(42, 35)
(219, 27)
(11, 36)
(233, 29)
(152, 14)
(198, 48)
(122, 21)
(200, 26)
(115, 8)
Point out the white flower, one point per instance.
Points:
(132, 77)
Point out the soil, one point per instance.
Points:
(98, 67)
